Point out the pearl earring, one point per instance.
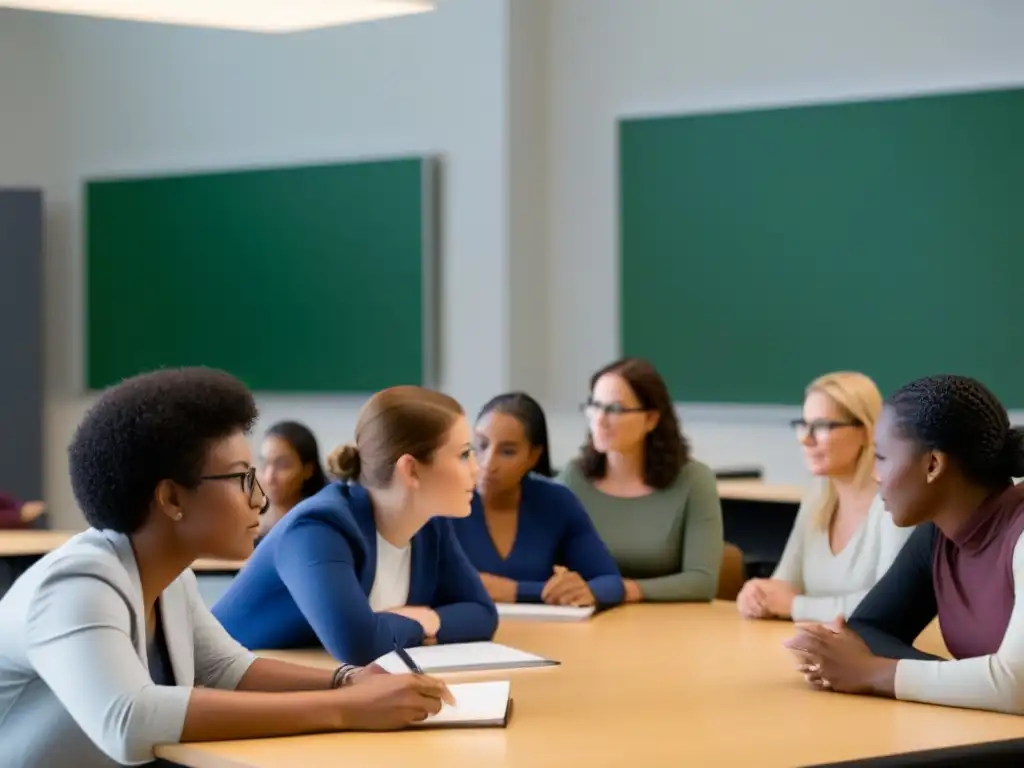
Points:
(178, 516)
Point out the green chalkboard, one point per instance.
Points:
(760, 249)
(300, 279)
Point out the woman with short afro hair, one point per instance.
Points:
(108, 650)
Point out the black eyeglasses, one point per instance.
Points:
(820, 427)
(250, 485)
(610, 409)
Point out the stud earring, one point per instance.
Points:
(178, 516)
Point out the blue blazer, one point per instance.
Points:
(553, 529)
(309, 582)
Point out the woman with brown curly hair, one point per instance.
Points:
(656, 508)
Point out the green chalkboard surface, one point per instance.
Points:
(760, 249)
(304, 279)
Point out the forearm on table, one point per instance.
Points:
(271, 675)
(825, 607)
(608, 590)
(983, 682)
(888, 646)
(685, 587)
(214, 715)
(526, 592)
(466, 622)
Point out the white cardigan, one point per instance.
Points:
(74, 676)
(833, 584)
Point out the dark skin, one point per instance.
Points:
(218, 519)
(918, 486)
(505, 457)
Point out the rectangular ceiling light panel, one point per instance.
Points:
(248, 15)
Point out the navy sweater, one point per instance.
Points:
(553, 529)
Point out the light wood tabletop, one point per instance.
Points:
(755, 490)
(645, 685)
(38, 543)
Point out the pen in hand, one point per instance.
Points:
(407, 659)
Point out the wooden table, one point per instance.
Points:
(35, 544)
(755, 490)
(640, 686)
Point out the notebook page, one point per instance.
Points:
(541, 612)
(482, 703)
(432, 658)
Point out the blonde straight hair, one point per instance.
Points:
(858, 395)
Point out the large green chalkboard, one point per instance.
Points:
(299, 279)
(760, 249)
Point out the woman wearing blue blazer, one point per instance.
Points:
(373, 562)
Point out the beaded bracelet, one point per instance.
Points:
(343, 675)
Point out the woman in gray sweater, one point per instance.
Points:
(107, 649)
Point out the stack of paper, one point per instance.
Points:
(464, 657)
(477, 705)
(543, 612)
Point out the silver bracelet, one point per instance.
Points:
(343, 675)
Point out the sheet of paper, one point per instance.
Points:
(462, 656)
(475, 704)
(542, 612)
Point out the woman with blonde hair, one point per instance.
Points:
(372, 562)
(843, 540)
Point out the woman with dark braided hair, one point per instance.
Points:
(655, 507)
(946, 458)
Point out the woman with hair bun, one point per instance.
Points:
(946, 457)
(372, 562)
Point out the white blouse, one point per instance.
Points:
(832, 584)
(391, 579)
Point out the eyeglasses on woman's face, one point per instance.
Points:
(249, 484)
(819, 429)
(596, 407)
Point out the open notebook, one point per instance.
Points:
(477, 705)
(543, 612)
(464, 657)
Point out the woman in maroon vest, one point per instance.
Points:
(945, 458)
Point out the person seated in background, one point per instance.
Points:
(107, 650)
(372, 562)
(291, 470)
(530, 537)
(946, 457)
(843, 540)
(14, 514)
(655, 507)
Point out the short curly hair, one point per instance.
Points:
(152, 427)
(962, 418)
(666, 450)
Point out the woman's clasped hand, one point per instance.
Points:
(833, 657)
(567, 587)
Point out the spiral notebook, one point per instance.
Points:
(477, 705)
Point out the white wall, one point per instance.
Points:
(104, 97)
(520, 96)
(610, 58)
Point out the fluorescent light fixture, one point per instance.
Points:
(248, 15)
